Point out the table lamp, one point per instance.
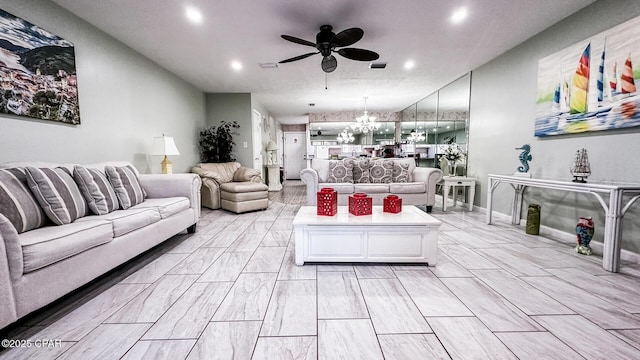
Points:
(271, 156)
(164, 145)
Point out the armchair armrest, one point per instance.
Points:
(170, 185)
(310, 177)
(244, 173)
(205, 174)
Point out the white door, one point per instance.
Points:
(295, 150)
(256, 134)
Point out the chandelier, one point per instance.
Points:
(415, 136)
(345, 137)
(365, 123)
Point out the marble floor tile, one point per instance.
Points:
(537, 346)
(160, 350)
(534, 256)
(524, 296)
(155, 270)
(467, 258)
(593, 342)
(468, 239)
(339, 296)
(248, 298)
(107, 341)
(226, 268)
(35, 353)
(348, 340)
(188, 316)
(468, 338)
(494, 236)
(630, 336)
(589, 264)
(224, 238)
(78, 323)
(258, 227)
(286, 348)
(494, 310)
(333, 267)
(276, 238)
(246, 242)
(190, 244)
(602, 312)
(282, 224)
(430, 295)
(266, 259)
(626, 298)
(291, 271)
(512, 263)
(292, 310)
(409, 267)
(391, 308)
(226, 340)
(151, 303)
(198, 262)
(448, 268)
(370, 271)
(412, 346)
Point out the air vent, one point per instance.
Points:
(377, 65)
(269, 65)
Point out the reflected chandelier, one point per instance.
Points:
(345, 137)
(415, 136)
(365, 123)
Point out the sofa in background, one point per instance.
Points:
(375, 177)
(41, 265)
(232, 187)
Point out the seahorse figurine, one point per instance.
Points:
(524, 157)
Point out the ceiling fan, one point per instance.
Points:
(326, 43)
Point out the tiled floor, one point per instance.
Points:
(232, 291)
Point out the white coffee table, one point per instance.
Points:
(410, 236)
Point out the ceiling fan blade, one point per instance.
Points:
(347, 37)
(298, 40)
(299, 57)
(329, 63)
(359, 54)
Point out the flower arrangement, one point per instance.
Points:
(454, 153)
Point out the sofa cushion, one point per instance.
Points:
(50, 244)
(17, 203)
(96, 189)
(340, 171)
(57, 194)
(381, 171)
(341, 188)
(126, 185)
(243, 187)
(360, 170)
(371, 188)
(408, 188)
(400, 172)
(126, 221)
(166, 206)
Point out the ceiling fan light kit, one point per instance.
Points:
(327, 43)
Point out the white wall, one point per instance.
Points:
(125, 100)
(503, 95)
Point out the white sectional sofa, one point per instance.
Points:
(41, 265)
(417, 187)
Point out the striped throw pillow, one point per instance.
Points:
(17, 203)
(125, 182)
(57, 194)
(96, 189)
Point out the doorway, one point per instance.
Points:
(295, 150)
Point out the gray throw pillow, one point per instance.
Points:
(381, 171)
(57, 194)
(400, 173)
(17, 203)
(126, 185)
(360, 170)
(340, 172)
(96, 189)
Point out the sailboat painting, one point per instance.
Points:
(592, 85)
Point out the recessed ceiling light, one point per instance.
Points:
(459, 15)
(448, 126)
(419, 127)
(194, 15)
(409, 64)
(236, 65)
(386, 129)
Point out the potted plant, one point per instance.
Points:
(216, 143)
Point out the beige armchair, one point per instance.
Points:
(232, 187)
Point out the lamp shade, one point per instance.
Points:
(164, 145)
(271, 145)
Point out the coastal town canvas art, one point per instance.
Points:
(592, 85)
(37, 72)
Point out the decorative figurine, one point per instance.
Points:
(581, 168)
(524, 157)
(584, 231)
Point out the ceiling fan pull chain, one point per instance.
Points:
(325, 81)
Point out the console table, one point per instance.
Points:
(614, 209)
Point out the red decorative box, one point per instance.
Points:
(392, 204)
(327, 200)
(360, 204)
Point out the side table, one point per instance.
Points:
(273, 173)
(455, 182)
